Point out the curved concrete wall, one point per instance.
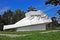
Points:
(32, 28)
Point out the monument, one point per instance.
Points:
(34, 20)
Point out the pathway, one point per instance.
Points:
(14, 35)
(50, 31)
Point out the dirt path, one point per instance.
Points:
(14, 35)
(50, 31)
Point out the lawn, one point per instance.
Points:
(21, 32)
(35, 36)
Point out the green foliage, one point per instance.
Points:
(1, 26)
(53, 25)
(58, 12)
(21, 32)
(53, 2)
(7, 17)
(11, 17)
(54, 22)
(53, 28)
(18, 15)
(31, 8)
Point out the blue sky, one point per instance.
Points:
(24, 4)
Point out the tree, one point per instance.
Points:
(0, 18)
(31, 8)
(59, 17)
(54, 22)
(58, 12)
(7, 17)
(53, 2)
(1, 24)
(18, 15)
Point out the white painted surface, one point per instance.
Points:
(32, 28)
(32, 18)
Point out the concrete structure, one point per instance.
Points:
(34, 20)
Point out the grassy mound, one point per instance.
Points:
(35, 36)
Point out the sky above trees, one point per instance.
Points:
(24, 4)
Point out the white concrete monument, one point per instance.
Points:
(34, 20)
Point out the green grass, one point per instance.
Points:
(53, 28)
(21, 32)
(35, 36)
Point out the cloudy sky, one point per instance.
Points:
(24, 4)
